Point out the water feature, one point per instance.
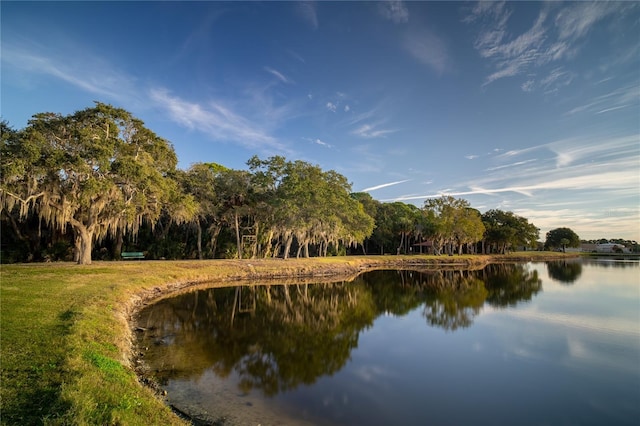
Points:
(537, 343)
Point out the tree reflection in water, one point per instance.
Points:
(565, 271)
(277, 337)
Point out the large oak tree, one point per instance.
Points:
(98, 171)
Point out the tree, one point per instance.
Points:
(308, 206)
(562, 238)
(200, 182)
(98, 170)
(469, 228)
(370, 207)
(455, 223)
(234, 191)
(505, 230)
(383, 233)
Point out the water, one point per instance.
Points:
(526, 344)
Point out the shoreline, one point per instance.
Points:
(318, 273)
(68, 335)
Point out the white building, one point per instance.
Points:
(611, 248)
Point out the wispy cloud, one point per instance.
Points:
(549, 39)
(91, 73)
(318, 141)
(278, 75)
(605, 180)
(385, 185)
(215, 119)
(515, 56)
(394, 10)
(557, 78)
(563, 171)
(516, 164)
(428, 49)
(528, 86)
(618, 98)
(296, 55)
(370, 131)
(307, 9)
(577, 150)
(589, 222)
(577, 19)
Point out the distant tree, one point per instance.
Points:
(404, 224)
(505, 230)
(301, 203)
(99, 170)
(469, 228)
(384, 232)
(234, 191)
(454, 223)
(562, 238)
(200, 181)
(370, 207)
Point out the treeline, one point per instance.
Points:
(96, 183)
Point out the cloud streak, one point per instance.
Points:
(548, 40)
(308, 11)
(563, 173)
(91, 74)
(215, 119)
(218, 119)
(394, 10)
(385, 185)
(371, 131)
(278, 75)
(428, 49)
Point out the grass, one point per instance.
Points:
(65, 337)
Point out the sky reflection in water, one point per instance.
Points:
(512, 344)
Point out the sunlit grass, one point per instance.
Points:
(65, 336)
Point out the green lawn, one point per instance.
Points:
(65, 336)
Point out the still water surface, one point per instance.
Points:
(527, 344)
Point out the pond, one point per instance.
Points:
(537, 343)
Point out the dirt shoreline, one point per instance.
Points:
(250, 270)
(270, 271)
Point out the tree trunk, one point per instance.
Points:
(398, 250)
(117, 245)
(254, 250)
(238, 236)
(214, 231)
(199, 242)
(76, 246)
(287, 246)
(84, 240)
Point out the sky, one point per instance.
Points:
(529, 107)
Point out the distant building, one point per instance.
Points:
(611, 248)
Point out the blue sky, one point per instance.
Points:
(528, 107)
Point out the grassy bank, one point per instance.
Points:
(65, 336)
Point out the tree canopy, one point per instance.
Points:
(96, 181)
(98, 170)
(505, 230)
(562, 238)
